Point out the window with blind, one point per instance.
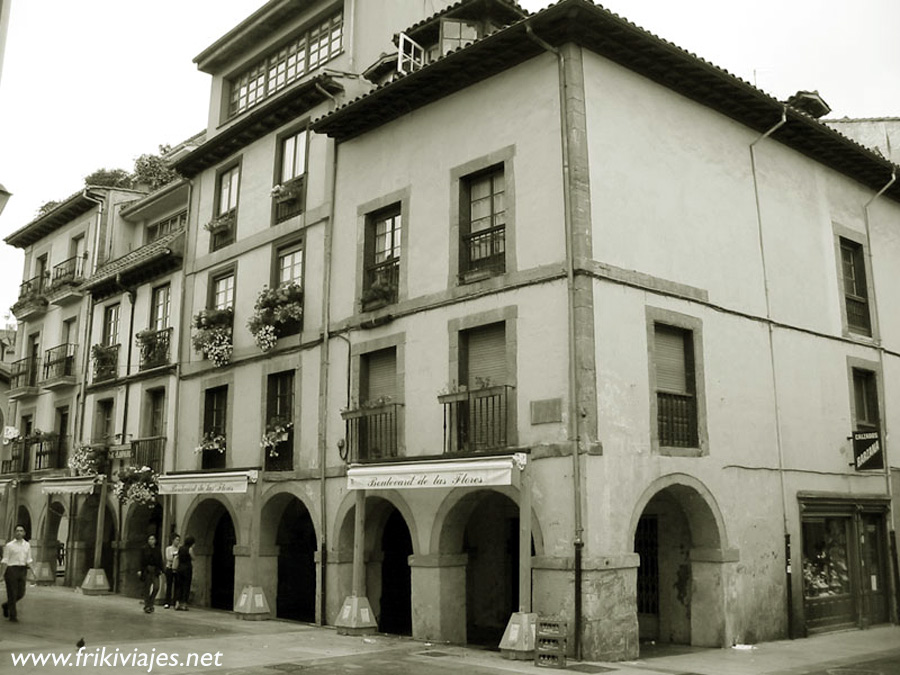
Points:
(856, 295)
(481, 420)
(676, 399)
(378, 377)
(865, 399)
(215, 410)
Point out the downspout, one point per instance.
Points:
(350, 25)
(323, 383)
(892, 534)
(778, 442)
(572, 425)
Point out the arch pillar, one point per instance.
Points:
(712, 573)
(439, 597)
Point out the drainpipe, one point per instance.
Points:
(762, 254)
(892, 534)
(323, 383)
(573, 427)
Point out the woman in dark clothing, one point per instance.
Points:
(151, 568)
(183, 574)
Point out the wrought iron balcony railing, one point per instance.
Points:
(289, 201)
(34, 287)
(18, 459)
(486, 250)
(382, 281)
(69, 271)
(676, 416)
(50, 452)
(148, 452)
(106, 362)
(372, 433)
(24, 373)
(154, 346)
(283, 457)
(59, 362)
(476, 420)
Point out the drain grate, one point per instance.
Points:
(286, 667)
(432, 652)
(588, 668)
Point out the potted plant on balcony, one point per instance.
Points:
(277, 430)
(220, 223)
(211, 440)
(137, 485)
(286, 192)
(87, 461)
(276, 309)
(379, 293)
(154, 346)
(212, 336)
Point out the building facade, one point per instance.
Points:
(485, 314)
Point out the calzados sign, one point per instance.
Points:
(867, 450)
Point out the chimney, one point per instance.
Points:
(809, 102)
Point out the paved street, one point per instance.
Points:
(53, 620)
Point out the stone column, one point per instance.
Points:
(710, 572)
(439, 597)
(356, 616)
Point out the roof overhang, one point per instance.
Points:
(139, 266)
(67, 211)
(292, 103)
(612, 37)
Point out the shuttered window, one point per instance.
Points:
(856, 295)
(485, 356)
(673, 354)
(380, 375)
(865, 392)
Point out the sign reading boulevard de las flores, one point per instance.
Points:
(867, 453)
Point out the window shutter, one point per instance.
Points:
(669, 354)
(486, 355)
(381, 372)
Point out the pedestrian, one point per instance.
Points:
(14, 568)
(184, 572)
(171, 563)
(151, 568)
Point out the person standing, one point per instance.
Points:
(151, 568)
(14, 568)
(184, 573)
(171, 563)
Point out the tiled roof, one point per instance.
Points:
(434, 18)
(160, 254)
(621, 41)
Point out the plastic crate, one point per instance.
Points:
(551, 628)
(554, 645)
(547, 660)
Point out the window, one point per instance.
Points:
(483, 227)
(290, 265)
(290, 193)
(70, 330)
(374, 424)
(865, 399)
(222, 291)
(293, 156)
(280, 421)
(222, 227)
(215, 409)
(382, 255)
(167, 226)
(159, 307)
(675, 390)
(156, 412)
(103, 421)
(856, 297)
(456, 33)
(270, 75)
(111, 325)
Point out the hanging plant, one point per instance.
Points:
(211, 440)
(137, 486)
(275, 309)
(277, 431)
(87, 461)
(220, 223)
(212, 336)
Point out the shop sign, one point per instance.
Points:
(423, 475)
(68, 486)
(217, 483)
(867, 450)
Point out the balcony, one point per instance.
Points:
(372, 433)
(289, 199)
(148, 452)
(154, 346)
(382, 281)
(59, 367)
(485, 252)
(50, 451)
(281, 456)
(18, 462)
(106, 362)
(65, 283)
(23, 381)
(32, 297)
(476, 420)
(677, 420)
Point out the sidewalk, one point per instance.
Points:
(53, 619)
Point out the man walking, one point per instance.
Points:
(151, 568)
(14, 568)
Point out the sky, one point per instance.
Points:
(97, 83)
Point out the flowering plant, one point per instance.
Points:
(382, 291)
(86, 461)
(286, 192)
(276, 432)
(213, 334)
(137, 485)
(222, 222)
(211, 440)
(154, 345)
(275, 310)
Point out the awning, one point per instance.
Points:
(207, 483)
(68, 486)
(437, 474)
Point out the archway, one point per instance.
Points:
(221, 592)
(140, 522)
(296, 541)
(23, 518)
(679, 537)
(82, 558)
(56, 532)
(396, 581)
(212, 526)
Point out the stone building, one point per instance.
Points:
(496, 314)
